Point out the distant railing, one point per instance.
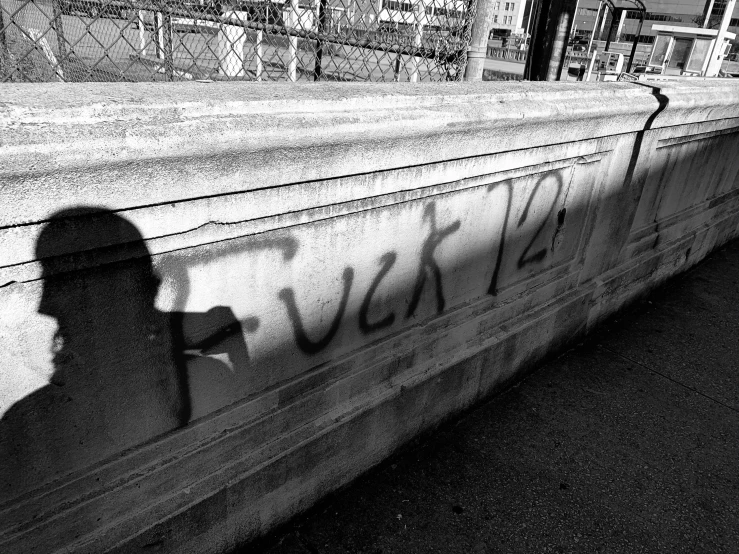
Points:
(511, 54)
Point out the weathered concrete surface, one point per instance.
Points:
(627, 443)
(217, 309)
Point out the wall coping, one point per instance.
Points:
(82, 104)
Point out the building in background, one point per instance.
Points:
(660, 12)
(508, 18)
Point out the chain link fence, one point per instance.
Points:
(275, 40)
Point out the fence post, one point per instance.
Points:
(549, 37)
(477, 50)
(4, 52)
(419, 15)
(259, 45)
(158, 35)
(322, 7)
(292, 43)
(167, 45)
(61, 42)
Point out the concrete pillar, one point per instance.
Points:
(159, 34)
(595, 25)
(602, 23)
(142, 31)
(550, 34)
(620, 27)
(591, 64)
(231, 39)
(707, 15)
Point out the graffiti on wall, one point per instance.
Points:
(127, 370)
(536, 249)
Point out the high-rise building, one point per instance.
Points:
(508, 16)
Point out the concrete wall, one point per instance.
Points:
(222, 301)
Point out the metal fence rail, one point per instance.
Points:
(290, 40)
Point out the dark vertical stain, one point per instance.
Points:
(560, 222)
(308, 346)
(387, 260)
(663, 101)
(561, 217)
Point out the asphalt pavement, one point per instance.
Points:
(629, 443)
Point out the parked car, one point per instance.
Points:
(644, 69)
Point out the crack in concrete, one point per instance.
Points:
(688, 387)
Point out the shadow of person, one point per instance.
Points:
(121, 366)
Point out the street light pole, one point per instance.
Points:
(478, 49)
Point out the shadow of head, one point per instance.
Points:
(118, 380)
(99, 283)
(100, 286)
(113, 351)
(112, 254)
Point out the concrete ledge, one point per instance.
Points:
(261, 291)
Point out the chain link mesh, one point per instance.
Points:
(286, 40)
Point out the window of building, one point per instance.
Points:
(497, 5)
(507, 4)
(495, 18)
(395, 5)
(719, 7)
(626, 37)
(632, 14)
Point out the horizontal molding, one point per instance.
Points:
(57, 150)
(268, 207)
(677, 141)
(728, 200)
